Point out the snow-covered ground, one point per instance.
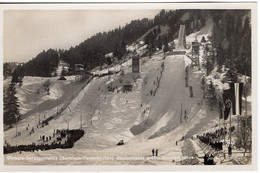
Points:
(114, 114)
(143, 120)
(205, 31)
(32, 93)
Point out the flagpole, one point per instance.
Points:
(219, 128)
(224, 130)
(230, 128)
(16, 125)
(220, 113)
(245, 141)
(236, 88)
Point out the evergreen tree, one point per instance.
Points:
(220, 57)
(231, 75)
(7, 70)
(203, 40)
(11, 107)
(159, 29)
(246, 47)
(209, 64)
(203, 82)
(165, 48)
(211, 96)
(109, 60)
(159, 43)
(165, 43)
(120, 50)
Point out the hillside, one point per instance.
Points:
(165, 107)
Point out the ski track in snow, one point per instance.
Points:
(114, 114)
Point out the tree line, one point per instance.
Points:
(232, 39)
(230, 51)
(91, 52)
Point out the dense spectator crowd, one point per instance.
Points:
(61, 139)
(213, 139)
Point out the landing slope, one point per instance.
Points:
(169, 96)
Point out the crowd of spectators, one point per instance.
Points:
(213, 138)
(61, 139)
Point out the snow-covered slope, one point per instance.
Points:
(142, 119)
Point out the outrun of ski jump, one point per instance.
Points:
(143, 110)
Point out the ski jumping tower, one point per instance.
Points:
(195, 53)
(181, 39)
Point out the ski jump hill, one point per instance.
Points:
(181, 38)
(151, 116)
(180, 46)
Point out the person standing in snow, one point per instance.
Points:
(153, 151)
(185, 115)
(156, 152)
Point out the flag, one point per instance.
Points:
(236, 90)
(220, 110)
(227, 100)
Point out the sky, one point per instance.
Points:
(27, 32)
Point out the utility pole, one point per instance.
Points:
(57, 105)
(80, 120)
(105, 91)
(16, 125)
(92, 113)
(99, 102)
(72, 89)
(219, 127)
(230, 148)
(39, 115)
(230, 124)
(181, 115)
(224, 130)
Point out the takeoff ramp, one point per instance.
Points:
(181, 39)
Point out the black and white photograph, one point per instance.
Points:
(129, 84)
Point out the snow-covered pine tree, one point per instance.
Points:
(231, 75)
(159, 42)
(211, 96)
(220, 57)
(203, 40)
(11, 107)
(247, 47)
(7, 71)
(209, 64)
(165, 43)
